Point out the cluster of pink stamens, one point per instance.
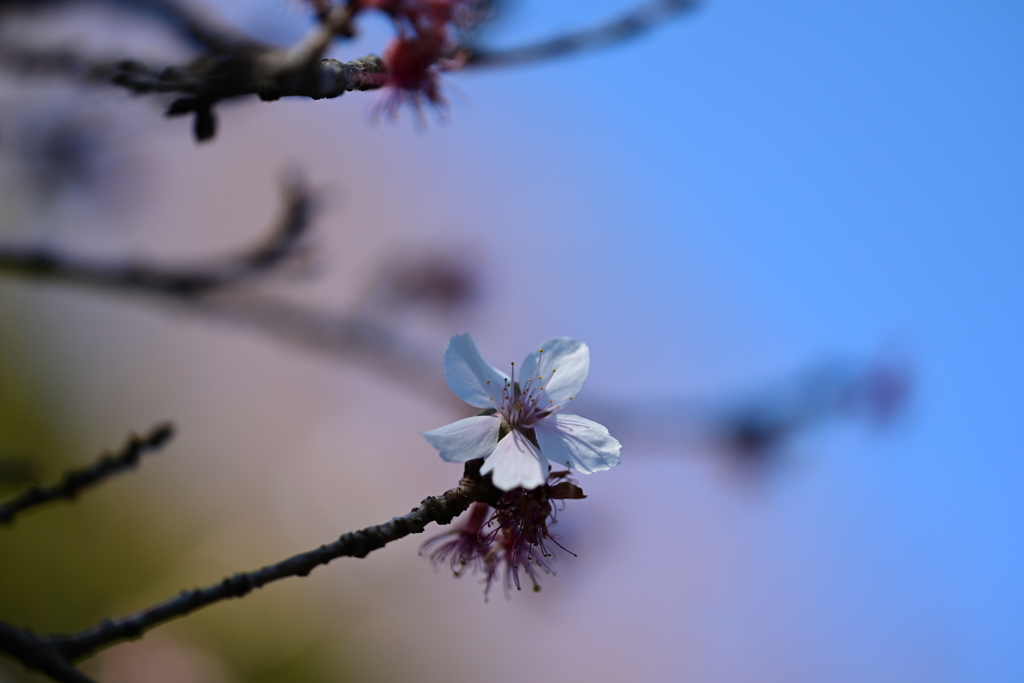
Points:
(522, 406)
(513, 537)
(423, 45)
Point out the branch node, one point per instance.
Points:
(269, 91)
(238, 585)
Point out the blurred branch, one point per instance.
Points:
(74, 481)
(281, 245)
(181, 16)
(335, 334)
(18, 471)
(207, 290)
(53, 654)
(874, 393)
(755, 429)
(639, 20)
(62, 62)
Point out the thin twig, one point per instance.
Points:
(335, 22)
(55, 653)
(637, 21)
(74, 481)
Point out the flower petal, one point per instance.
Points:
(469, 376)
(577, 442)
(516, 462)
(560, 365)
(468, 439)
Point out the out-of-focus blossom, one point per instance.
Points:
(430, 283)
(412, 77)
(422, 48)
(526, 427)
(465, 546)
(882, 391)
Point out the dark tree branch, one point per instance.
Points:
(74, 481)
(268, 71)
(35, 653)
(281, 245)
(274, 75)
(636, 22)
(53, 654)
(231, 64)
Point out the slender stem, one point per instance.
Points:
(336, 22)
(441, 509)
(77, 480)
(637, 21)
(54, 655)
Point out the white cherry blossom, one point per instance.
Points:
(527, 428)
